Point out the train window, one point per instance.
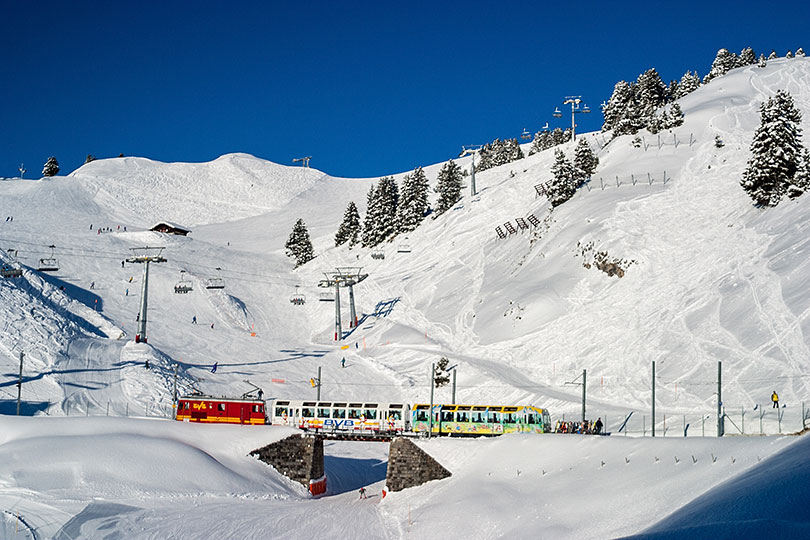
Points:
(509, 418)
(371, 414)
(308, 412)
(257, 408)
(323, 412)
(221, 407)
(354, 414)
(281, 411)
(477, 416)
(447, 416)
(494, 417)
(338, 404)
(530, 419)
(421, 415)
(187, 405)
(395, 415)
(462, 417)
(356, 405)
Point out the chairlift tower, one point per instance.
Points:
(145, 255)
(574, 101)
(346, 277)
(304, 161)
(471, 149)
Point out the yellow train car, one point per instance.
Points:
(475, 420)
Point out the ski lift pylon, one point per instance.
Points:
(48, 264)
(184, 285)
(298, 299)
(215, 282)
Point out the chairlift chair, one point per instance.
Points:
(10, 271)
(404, 246)
(183, 286)
(48, 264)
(326, 297)
(298, 299)
(215, 282)
(378, 254)
(525, 135)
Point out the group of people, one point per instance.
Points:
(586, 427)
(100, 230)
(9, 218)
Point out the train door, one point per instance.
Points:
(244, 413)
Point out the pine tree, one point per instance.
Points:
(614, 109)
(689, 83)
(789, 55)
(486, 157)
(773, 55)
(799, 53)
(673, 117)
(448, 187)
(512, 150)
(650, 93)
(724, 62)
(748, 57)
(776, 151)
(413, 201)
(585, 161)
(440, 374)
(299, 246)
(349, 230)
(369, 234)
(542, 141)
(672, 91)
(801, 180)
(388, 200)
(562, 186)
(762, 62)
(51, 167)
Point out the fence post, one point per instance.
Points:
(633, 179)
(804, 417)
(108, 407)
(649, 178)
(691, 139)
(665, 425)
(659, 141)
(602, 182)
(644, 425)
(617, 181)
(779, 417)
(665, 177)
(684, 425)
(127, 409)
(761, 414)
(742, 422)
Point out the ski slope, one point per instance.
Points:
(712, 279)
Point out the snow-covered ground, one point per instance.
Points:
(712, 279)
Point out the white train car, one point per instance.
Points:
(342, 417)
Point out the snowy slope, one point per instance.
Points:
(712, 279)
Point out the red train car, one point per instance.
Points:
(222, 410)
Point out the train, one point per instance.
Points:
(359, 419)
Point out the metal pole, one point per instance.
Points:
(338, 329)
(742, 409)
(472, 177)
(653, 400)
(584, 373)
(318, 398)
(141, 334)
(719, 399)
(174, 393)
(353, 320)
(573, 124)
(454, 389)
(19, 384)
(430, 412)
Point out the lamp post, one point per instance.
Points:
(574, 101)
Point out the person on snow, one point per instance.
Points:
(597, 427)
(363, 493)
(343, 362)
(194, 320)
(775, 399)
(146, 364)
(214, 369)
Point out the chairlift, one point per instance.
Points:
(215, 282)
(11, 269)
(525, 135)
(557, 113)
(183, 286)
(404, 246)
(326, 297)
(48, 264)
(378, 254)
(298, 299)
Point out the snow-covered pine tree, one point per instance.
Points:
(799, 53)
(448, 187)
(762, 62)
(299, 246)
(542, 141)
(349, 230)
(500, 154)
(672, 91)
(631, 121)
(51, 167)
(801, 180)
(512, 150)
(789, 54)
(558, 136)
(673, 117)
(413, 201)
(773, 55)
(650, 93)
(776, 151)
(562, 186)
(370, 235)
(614, 109)
(585, 161)
(748, 56)
(486, 157)
(689, 83)
(440, 374)
(388, 200)
(724, 62)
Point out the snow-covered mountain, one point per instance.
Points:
(707, 278)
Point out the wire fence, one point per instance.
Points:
(643, 179)
(751, 421)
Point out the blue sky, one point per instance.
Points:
(365, 88)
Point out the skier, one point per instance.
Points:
(343, 362)
(212, 326)
(122, 264)
(775, 399)
(92, 284)
(146, 364)
(598, 426)
(363, 493)
(194, 320)
(214, 369)
(127, 293)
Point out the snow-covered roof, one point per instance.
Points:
(170, 225)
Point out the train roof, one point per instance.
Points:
(203, 397)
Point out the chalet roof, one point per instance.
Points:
(170, 225)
